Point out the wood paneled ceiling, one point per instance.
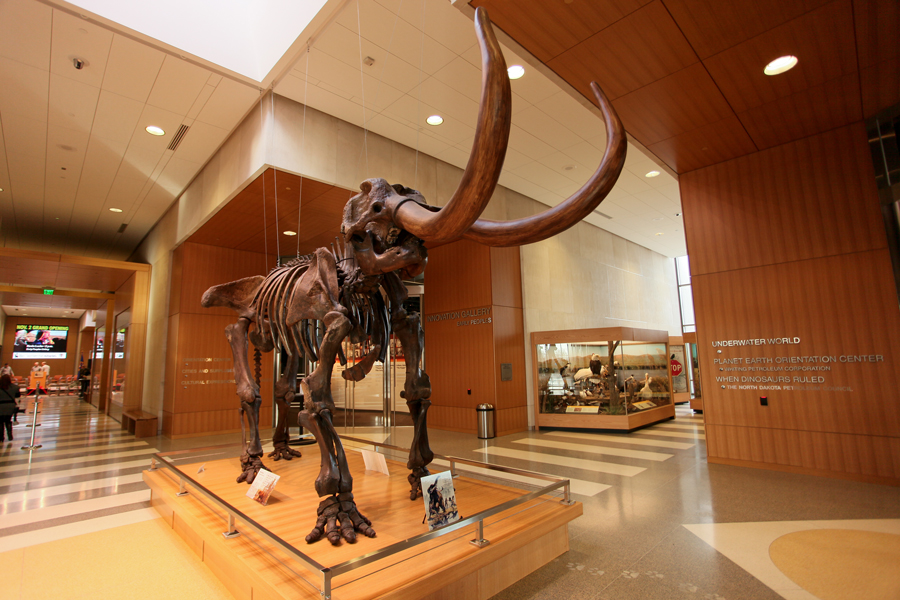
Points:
(686, 76)
(242, 222)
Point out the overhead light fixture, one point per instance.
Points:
(290, 233)
(434, 120)
(1, 189)
(516, 71)
(677, 214)
(115, 210)
(780, 65)
(652, 174)
(659, 233)
(154, 130)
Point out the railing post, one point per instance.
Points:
(153, 466)
(326, 584)
(232, 530)
(567, 500)
(453, 468)
(479, 536)
(181, 490)
(34, 424)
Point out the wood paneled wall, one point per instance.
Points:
(788, 242)
(199, 396)
(58, 366)
(464, 359)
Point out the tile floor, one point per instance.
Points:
(659, 522)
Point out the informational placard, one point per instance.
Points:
(375, 462)
(263, 485)
(40, 342)
(591, 410)
(440, 500)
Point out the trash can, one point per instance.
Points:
(485, 421)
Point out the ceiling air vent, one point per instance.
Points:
(122, 227)
(602, 214)
(179, 135)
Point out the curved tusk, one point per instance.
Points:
(485, 160)
(565, 214)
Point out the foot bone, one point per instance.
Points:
(250, 466)
(415, 482)
(339, 518)
(283, 451)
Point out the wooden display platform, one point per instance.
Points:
(622, 422)
(448, 567)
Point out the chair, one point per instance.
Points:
(54, 384)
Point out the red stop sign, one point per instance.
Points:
(676, 368)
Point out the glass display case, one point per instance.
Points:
(678, 370)
(692, 348)
(611, 378)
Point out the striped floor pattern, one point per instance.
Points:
(593, 462)
(86, 477)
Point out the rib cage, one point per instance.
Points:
(368, 314)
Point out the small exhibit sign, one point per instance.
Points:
(263, 485)
(440, 500)
(375, 461)
(591, 410)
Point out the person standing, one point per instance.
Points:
(46, 369)
(9, 405)
(84, 375)
(7, 370)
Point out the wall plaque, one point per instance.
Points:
(505, 371)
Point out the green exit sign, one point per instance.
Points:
(48, 291)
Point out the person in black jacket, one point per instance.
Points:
(8, 405)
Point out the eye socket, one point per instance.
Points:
(357, 238)
(377, 208)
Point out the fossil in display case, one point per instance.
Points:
(309, 305)
(619, 377)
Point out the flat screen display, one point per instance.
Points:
(120, 345)
(40, 342)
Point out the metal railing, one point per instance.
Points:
(328, 573)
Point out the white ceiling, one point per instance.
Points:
(73, 141)
(74, 145)
(427, 62)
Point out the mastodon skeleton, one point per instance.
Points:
(358, 291)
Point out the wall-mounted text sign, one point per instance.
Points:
(470, 316)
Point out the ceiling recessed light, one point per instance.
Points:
(115, 210)
(659, 234)
(434, 120)
(154, 130)
(516, 71)
(1, 189)
(290, 233)
(780, 65)
(677, 214)
(652, 174)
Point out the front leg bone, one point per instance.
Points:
(248, 392)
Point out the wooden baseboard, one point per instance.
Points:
(804, 471)
(621, 422)
(448, 568)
